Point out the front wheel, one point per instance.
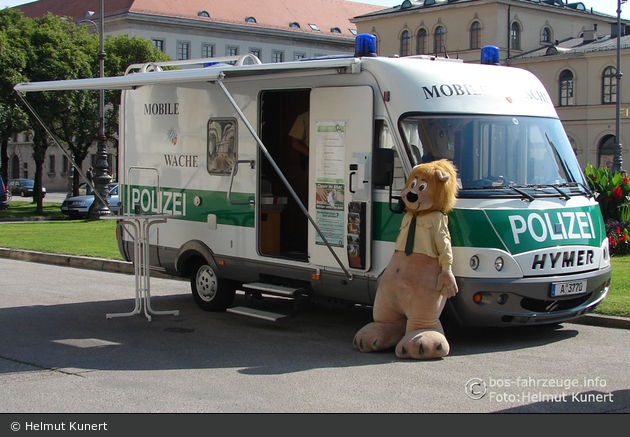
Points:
(210, 292)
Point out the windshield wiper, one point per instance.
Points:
(526, 196)
(563, 195)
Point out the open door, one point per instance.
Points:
(340, 191)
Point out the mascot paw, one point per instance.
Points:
(447, 285)
(423, 345)
(378, 336)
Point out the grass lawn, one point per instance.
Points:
(93, 238)
(97, 238)
(618, 301)
(21, 209)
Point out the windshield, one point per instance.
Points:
(493, 151)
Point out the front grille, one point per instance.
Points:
(550, 306)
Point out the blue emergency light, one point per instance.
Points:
(365, 45)
(490, 55)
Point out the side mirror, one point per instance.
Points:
(383, 167)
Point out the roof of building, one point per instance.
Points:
(577, 46)
(330, 17)
(419, 6)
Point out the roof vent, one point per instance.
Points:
(250, 19)
(294, 24)
(335, 30)
(579, 6)
(204, 14)
(589, 36)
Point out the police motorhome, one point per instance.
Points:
(210, 148)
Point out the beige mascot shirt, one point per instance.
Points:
(432, 237)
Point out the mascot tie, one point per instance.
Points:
(411, 236)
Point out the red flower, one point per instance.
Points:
(612, 241)
(617, 193)
(625, 181)
(593, 178)
(623, 238)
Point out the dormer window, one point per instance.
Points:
(335, 30)
(314, 27)
(353, 31)
(294, 24)
(203, 14)
(250, 19)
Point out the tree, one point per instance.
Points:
(13, 118)
(80, 128)
(54, 55)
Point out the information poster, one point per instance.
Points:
(329, 185)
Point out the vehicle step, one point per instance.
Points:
(277, 290)
(259, 314)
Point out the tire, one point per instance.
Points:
(21, 193)
(211, 293)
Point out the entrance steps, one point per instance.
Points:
(259, 289)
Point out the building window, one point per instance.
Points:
(405, 40)
(294, 24)
(250, 19)
(183, 50)
(545, 36)
(314, 27)
(515, 36)
(207, 51)
(607, 150)
(256, 52)
(231, 51)
(566, 88)
(222, 135)
(277, 56)
(297, 56)
(609, 85)
(439, 45)
(159, 44)
(335, 30)
(421, 46)
(65, 164)
(475, 35)
(51, 164)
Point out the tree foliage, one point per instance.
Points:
(54, 48)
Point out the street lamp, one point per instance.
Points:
(617, 160)
(101, 177)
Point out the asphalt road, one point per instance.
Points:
(59, 354)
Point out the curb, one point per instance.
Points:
(109, 265)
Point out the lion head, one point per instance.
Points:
(431, 186)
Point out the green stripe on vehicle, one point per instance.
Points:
(188, 204)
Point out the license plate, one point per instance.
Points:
(566, 288)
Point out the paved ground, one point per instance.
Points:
(60, 354)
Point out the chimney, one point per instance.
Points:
(589, 36)
(613, 30)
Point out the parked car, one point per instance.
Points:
(23, 187)
(4, 204)
(79, 206)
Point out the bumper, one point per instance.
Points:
(525, 301)
(75, 212)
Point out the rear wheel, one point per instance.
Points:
(210, 292)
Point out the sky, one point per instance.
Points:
(605, 6)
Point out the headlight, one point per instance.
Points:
(474, 262)
(498, 264)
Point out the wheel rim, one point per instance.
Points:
(206, 283)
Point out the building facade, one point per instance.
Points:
(570, 48)
(273, 30)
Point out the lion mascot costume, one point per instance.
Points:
(414, 287)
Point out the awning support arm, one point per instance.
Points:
(58, 143)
